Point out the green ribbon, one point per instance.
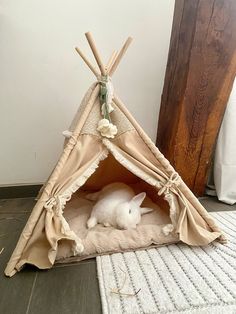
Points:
(103, 95)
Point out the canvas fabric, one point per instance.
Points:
(77, 167)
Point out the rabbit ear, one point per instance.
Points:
(145, 210)
(138, 199)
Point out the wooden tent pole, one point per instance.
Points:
(120, 55)
(96, 73)
(95, 52)
(92, 68)
(111, 61)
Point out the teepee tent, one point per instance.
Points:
(105, 144)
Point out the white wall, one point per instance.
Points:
(42, 79)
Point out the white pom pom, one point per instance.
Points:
(167, 229)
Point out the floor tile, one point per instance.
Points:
(11, 227)
(15, 291)
(68, 264)
(18, 205)
(11, 224)
(212, 204)
(67, 290)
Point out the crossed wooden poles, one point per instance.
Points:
(113, 62)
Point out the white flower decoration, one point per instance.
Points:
(109, 108)
(106, 128)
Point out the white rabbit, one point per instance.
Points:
(118, 206)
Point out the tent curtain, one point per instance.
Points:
(193, 227)
(225, 155)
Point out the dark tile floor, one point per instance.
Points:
(65, 289)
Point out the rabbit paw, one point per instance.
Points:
(91, 222)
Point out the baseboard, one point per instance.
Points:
(19, 191)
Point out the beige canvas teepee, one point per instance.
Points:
(105, 144)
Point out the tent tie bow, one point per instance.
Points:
(53, 204)
(174, 179)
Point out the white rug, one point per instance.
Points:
(174, 278)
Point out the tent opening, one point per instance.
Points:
(102, 240)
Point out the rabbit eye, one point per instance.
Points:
(129, 211)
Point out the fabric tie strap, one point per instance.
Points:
(53, 204)
(173, 180)
(50, 203)
(69, 135)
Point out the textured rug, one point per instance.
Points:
(172, 279)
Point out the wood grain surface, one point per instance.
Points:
(199, 76)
